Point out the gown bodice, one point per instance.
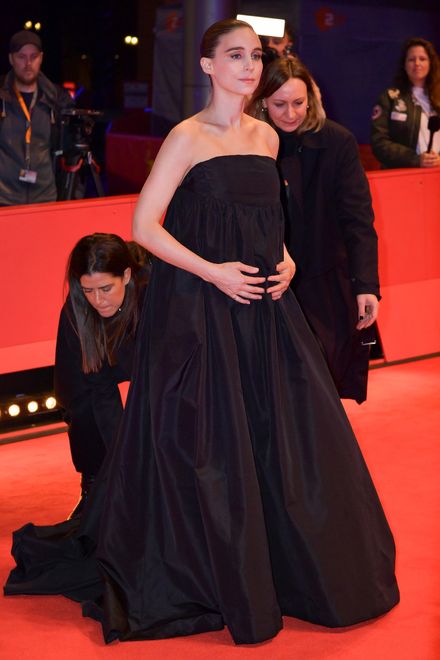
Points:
(241, 179)
(228, 208)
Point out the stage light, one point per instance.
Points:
(28, 25)
(131, 41)
(268, 27)
(14, 410)
(32, 406)
(50, 402)
(37, 26)
(27, 401)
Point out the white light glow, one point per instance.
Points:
(14, 410)
(32, 406)
(50, 403)
(37, 26)
(267, 27)
(28, 25)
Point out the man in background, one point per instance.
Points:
(274, 47)
(30, 107)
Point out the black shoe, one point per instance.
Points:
(87, 481)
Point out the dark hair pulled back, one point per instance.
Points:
(213, 34)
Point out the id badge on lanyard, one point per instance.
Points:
(27, 175)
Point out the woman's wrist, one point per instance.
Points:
(207, 270)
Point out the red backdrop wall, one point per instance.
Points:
(36, 240)
(35, 243)
(407, 209)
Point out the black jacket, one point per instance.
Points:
(331, 236)
(45, 125)
(92, 402)
(395, 128)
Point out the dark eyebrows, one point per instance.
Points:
(91, 288)
(259, 50)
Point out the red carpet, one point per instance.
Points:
(399, 432)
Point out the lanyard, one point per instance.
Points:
(27, 113)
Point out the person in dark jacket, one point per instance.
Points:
(329, 221)
(30, 107)
(399, 132)
(95, 343)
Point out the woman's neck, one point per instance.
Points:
(418, 83)
(224, 110)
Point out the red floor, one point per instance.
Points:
(399, 432)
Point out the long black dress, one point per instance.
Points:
(236, 491)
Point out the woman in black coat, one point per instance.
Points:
(95, 343)
(329, 221)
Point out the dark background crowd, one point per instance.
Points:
(351, 48)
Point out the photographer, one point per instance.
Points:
(30, 106)
(275, 47)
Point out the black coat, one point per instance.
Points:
(331, 237)
(92, 402)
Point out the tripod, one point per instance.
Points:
(76, 130)
(74, 171)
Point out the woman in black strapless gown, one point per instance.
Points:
(236, 492)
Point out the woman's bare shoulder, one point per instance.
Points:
(265, 133)
(182, 133)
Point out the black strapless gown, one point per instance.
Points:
(236, 492)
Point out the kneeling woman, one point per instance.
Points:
(95, 341)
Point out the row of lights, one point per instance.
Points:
(29, 25)
(28, 407)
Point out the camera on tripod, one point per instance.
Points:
(76, 128)
(75, 153)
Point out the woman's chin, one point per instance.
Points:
(107, 312)
(289, 128)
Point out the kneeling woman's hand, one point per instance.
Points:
(286, 270)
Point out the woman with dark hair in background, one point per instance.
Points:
(329, 221)
(400, 136)
(95, 343)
